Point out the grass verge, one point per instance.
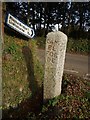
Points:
(22, 87)
(80, 46)
(18, 71)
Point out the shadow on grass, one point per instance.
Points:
(32, 104)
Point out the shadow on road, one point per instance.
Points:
(32, 104)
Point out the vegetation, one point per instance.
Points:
(17, 56)
(22, 86)
(23, 73)
(80, 46)
(74, 17)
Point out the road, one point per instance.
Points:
(77, 64)
(74, 63)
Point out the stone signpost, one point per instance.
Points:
(56, 43)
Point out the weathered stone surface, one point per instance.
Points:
(54, 63)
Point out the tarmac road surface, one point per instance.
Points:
(74, 63)
(77, 64)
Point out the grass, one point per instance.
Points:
(41, 41)
(22, 86)
(15, 71)
(80, 46)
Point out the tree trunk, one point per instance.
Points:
(40, 15)
(33, 22)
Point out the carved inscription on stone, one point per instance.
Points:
(55, 56)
